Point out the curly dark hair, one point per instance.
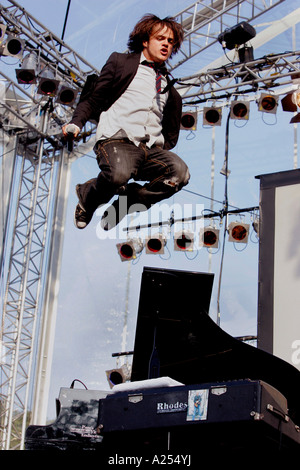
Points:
(143, 29)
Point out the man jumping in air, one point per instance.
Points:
(139, 124)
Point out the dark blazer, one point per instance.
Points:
(113, 80)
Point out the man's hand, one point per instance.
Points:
(70, 132)
(72, 129)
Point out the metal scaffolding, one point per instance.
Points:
(34, 204)
(24, 286)
(32, 222)
(203, 21)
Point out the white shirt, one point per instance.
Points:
(137, 114)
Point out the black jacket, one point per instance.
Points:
(113, 80)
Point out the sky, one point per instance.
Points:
(97, 290)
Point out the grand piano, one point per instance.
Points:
(194, 388)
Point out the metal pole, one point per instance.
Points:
(47, 331)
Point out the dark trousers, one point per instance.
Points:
(120, 160)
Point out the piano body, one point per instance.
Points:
(221, 393)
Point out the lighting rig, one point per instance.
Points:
(62, 85)
(257, 78)
(186, 240)
(50, 76)
(239, 110)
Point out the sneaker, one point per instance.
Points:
(81, 217)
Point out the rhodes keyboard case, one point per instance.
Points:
(241, 407)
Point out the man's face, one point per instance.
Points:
(160, 45)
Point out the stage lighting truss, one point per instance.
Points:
(28, 72)
(238, 232)
(118, 375)
(268, 103)
(130, 249)
(155, 244)
(189, 121)
(184, 240)
(240, 109)
(209, 237)
(212, 116)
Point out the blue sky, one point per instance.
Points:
(93, 290)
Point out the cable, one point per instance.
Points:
(225, 216)
(65, 23)
(77, 380)
(207, 197)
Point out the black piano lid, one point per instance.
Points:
(191, 348)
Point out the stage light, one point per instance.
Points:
(246, 54)
(255, 225)
(212, 116)
(237, 35)
(118, 376)
(13, 46)
(209, 237)
(290, 101)
(239, 110)
(188, 121)
(238, 232)
(268, 103)
(296, 97)
(155, 244)
(48, 85)
(130, 249)
(66, 95)
(26, 74)
(184, 241)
